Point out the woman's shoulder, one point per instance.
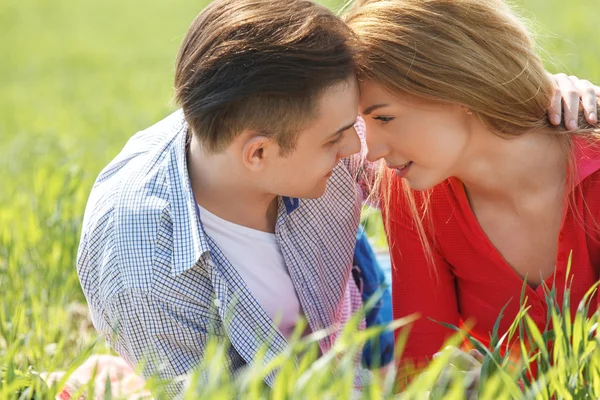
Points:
(586, 152)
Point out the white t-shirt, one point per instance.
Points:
(257, 258)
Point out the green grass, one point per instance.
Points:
(77, 79)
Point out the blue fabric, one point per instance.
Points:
(377, 352)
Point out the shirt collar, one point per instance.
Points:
(189, 240)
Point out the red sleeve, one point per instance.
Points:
(419, 288)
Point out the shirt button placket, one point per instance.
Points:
(537, 307)
(539, 311)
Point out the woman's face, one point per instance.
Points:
(423, 141)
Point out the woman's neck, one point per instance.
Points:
(511, 170)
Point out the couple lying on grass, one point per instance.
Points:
(237, 215)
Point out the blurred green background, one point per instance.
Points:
(77, 79)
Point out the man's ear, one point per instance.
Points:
(258, 150)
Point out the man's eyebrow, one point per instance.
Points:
(374, 107)
(345, 128)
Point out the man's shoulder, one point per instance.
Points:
(142, 151)
(130, 204)
(136, 179)
(135, 182)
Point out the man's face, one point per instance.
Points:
(304, 172)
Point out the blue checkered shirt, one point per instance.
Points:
(158, 286)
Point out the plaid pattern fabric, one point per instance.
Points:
(158, 286)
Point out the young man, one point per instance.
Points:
(240, 210)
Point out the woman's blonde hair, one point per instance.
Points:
(476, 53)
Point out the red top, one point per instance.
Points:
(473, 280)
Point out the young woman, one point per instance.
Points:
(483, 194)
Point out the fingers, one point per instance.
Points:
(554, 111)
(476, 354)
(570, 97)
(589, 98)
(464, 366)
(461, 360)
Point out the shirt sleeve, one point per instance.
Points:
(163, 341)
(363, 171)
(418, 287)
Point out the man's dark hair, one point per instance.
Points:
(259, 65)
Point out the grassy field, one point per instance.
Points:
(77, 79)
